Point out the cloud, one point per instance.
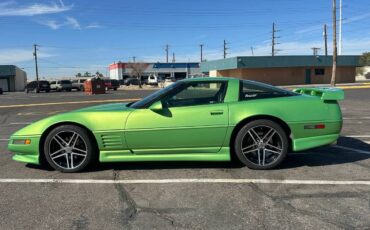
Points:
(11, 8)
(93, 25)
(16, 56)
(69, 21)
(73, 22)
(356, 18)
(51, 24)
(344, 21)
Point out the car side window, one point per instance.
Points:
(196, 93)
(255, 90)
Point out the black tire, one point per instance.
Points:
(251, 156)
(47, 91)
(83, 139)
(115, 89)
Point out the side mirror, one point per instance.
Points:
(157, 106)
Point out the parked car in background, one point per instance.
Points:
(1, 90)
(111, 84)
(78, 84)
(37, 87)
(153, 79)
(131, 81)
(61, 85)
(168, 82)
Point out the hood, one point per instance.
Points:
(105, 108)
(93, 118)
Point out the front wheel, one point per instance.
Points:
(68, 148)
(261, 144)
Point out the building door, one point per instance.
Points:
(4, 84)
(308, 76)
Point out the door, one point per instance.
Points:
(308, 76)
(4, 84)
(193, 119)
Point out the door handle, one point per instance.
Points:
(217, 112)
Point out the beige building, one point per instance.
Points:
(284, 70)
(12, 78)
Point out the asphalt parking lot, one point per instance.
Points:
(300, 194)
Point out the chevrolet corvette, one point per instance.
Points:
(199, 119)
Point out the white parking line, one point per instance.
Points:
(352, 149)
(357, 136)
(20, 123)
(189, 181)
(356, 118)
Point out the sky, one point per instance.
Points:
(87, 35)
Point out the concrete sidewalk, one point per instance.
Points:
(356, 85)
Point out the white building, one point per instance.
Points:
(177, 70)
(12, 78)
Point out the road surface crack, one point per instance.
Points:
(131, 209)
(279, 201)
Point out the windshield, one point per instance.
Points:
(154, 96)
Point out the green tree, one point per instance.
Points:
(78, 75)
(87, 74)
(98, 74)
(365, 59)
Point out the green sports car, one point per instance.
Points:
(201, 119)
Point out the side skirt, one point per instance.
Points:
(128, 156)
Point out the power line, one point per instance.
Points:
(201, 52)
(36, 66)
(333, 73)
(315, 51)
(325, 40)
(340, 27)
(166, 49)
(273, 40)
(225, 48)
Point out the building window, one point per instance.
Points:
(319, 71)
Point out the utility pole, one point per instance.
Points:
(166, 49)
(333, 74)
(315, 50)
(325, 40)
(252, 50)
(37, 68)
(225, 48)
(201, 52)
(273, 42)
(134, 59)
(173, 57)
(340, 28)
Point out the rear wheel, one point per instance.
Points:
(261, 144)
(68, 148)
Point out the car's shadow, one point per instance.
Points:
(323, 156)
(329, 155)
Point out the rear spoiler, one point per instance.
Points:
(325, 93)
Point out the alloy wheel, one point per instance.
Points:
(68, 149)
(262, 145)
